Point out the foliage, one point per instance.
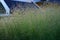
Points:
(31, 24)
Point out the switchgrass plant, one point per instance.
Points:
(31, 24)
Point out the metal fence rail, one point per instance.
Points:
(5, 7)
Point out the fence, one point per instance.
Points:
(7, 3)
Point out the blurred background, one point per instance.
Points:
(26, 22)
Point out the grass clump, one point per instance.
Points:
(32, 24)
